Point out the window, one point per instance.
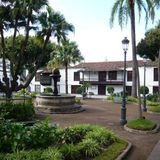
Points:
(37, 88)
(76, 76)
(102, 76)
(112, 75)
(129, 75)
(155, 89)
(37, 76)
(155, 76)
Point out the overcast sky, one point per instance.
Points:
(96, 40)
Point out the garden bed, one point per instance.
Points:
(47, 142)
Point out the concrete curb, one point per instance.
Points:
(125, 152)
(155, 154)
(155, 130)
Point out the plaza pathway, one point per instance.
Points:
(107, 114)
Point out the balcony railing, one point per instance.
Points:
(95, 81)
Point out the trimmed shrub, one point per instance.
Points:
(110, 90)
(19, 112)
(146, 90)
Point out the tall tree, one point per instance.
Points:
(66, 53)
(150, 47)
(125, 9)
(23, 16)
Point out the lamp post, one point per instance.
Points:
(144, 84)
(123, 121)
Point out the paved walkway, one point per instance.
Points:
(107, 114)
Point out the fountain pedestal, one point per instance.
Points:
(57, 103)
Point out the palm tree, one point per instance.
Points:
(126, 9)
(53, 23)
(66, 53)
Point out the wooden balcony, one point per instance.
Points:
(107, 82)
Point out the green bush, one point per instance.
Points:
(77, 100)
(102, 136)
(77, 142)
(110, 98)
(12, 136)
(110, 90)
(51, 154)
(48, 154)
(132, 99)
(149, 103)
(89, 148)
(33, 94)
(23, 92)
(75, 133)
(146, 90)
(153, 97)
(48, 90)
(42, 135)
(19, 112)
(70, 152)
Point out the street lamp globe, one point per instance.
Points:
(125, 43)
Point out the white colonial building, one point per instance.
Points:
(101, 75)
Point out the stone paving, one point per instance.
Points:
(107, 114)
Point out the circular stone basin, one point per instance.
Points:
(57, 104)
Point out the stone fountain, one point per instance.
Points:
(56, 103)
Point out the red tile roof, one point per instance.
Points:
(109, 65)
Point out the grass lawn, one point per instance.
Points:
(113, 151)
(141, 124)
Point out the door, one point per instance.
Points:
(101, 90)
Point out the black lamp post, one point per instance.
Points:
(123, 121)
(144, 84)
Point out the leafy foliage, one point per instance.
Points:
(144, 89)
(19, 111)
(12, 136)
(110, 90)
(70, 151)
(89, 148)
(42, 135)
(79, 141)
(153, 97)
(48, 90)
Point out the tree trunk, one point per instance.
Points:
(66, 75)
(159, 72)
(135, 72)
(134, 58)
